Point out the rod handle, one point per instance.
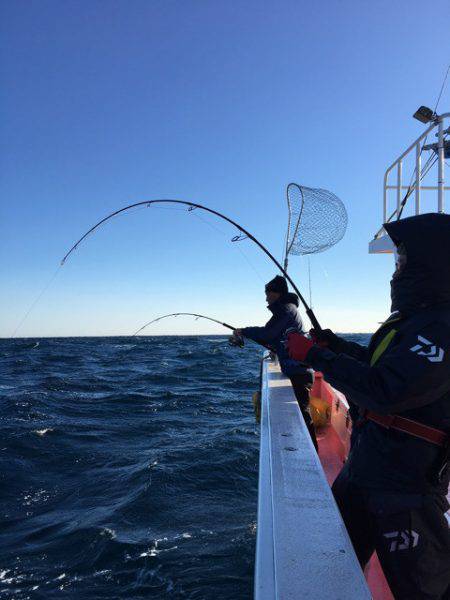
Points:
(314, 321)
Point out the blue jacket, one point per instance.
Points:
(284, 316)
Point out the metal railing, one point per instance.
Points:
(439, 147)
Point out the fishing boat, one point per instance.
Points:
(303, 549)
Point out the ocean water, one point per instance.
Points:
(129, 468)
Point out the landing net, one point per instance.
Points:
(317, 220)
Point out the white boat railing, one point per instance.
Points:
(399, 188)
(302, 547)
(416, 146)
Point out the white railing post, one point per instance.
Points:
(399, 186)
(441, 165)
(418, 174)
(385, 197)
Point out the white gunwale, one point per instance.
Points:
(302, 549)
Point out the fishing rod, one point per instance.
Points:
(192, 206)
(185, 313)
(197, 316)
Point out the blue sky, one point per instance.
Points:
(106, 103)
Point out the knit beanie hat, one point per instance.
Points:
(277, 284)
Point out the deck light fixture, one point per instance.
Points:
(424, 114)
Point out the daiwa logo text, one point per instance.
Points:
(426, 348)
(402, 540)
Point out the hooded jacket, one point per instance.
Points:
(425, 279)
(284, 316)
(406, 368)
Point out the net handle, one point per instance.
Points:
(289, 245)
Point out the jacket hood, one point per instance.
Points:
(425, 278)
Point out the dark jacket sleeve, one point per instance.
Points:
(414, 371)
(351, 349)
(272, 330)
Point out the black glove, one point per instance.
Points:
(326, 339)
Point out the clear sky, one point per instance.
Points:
(220, 102)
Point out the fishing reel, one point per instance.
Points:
(236, 340)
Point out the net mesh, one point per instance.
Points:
(317, 220)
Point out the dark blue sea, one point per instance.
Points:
(129, 468)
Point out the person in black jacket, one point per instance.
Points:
(392, 490)
(284, 308)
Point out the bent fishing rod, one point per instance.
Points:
(197, 316)
(185, 313)
(192, 206)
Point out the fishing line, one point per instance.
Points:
(36, 300)
(236, 245)
(442, 88)
(309, 281)
(53, 277)
(249, 263)
(431, 161)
